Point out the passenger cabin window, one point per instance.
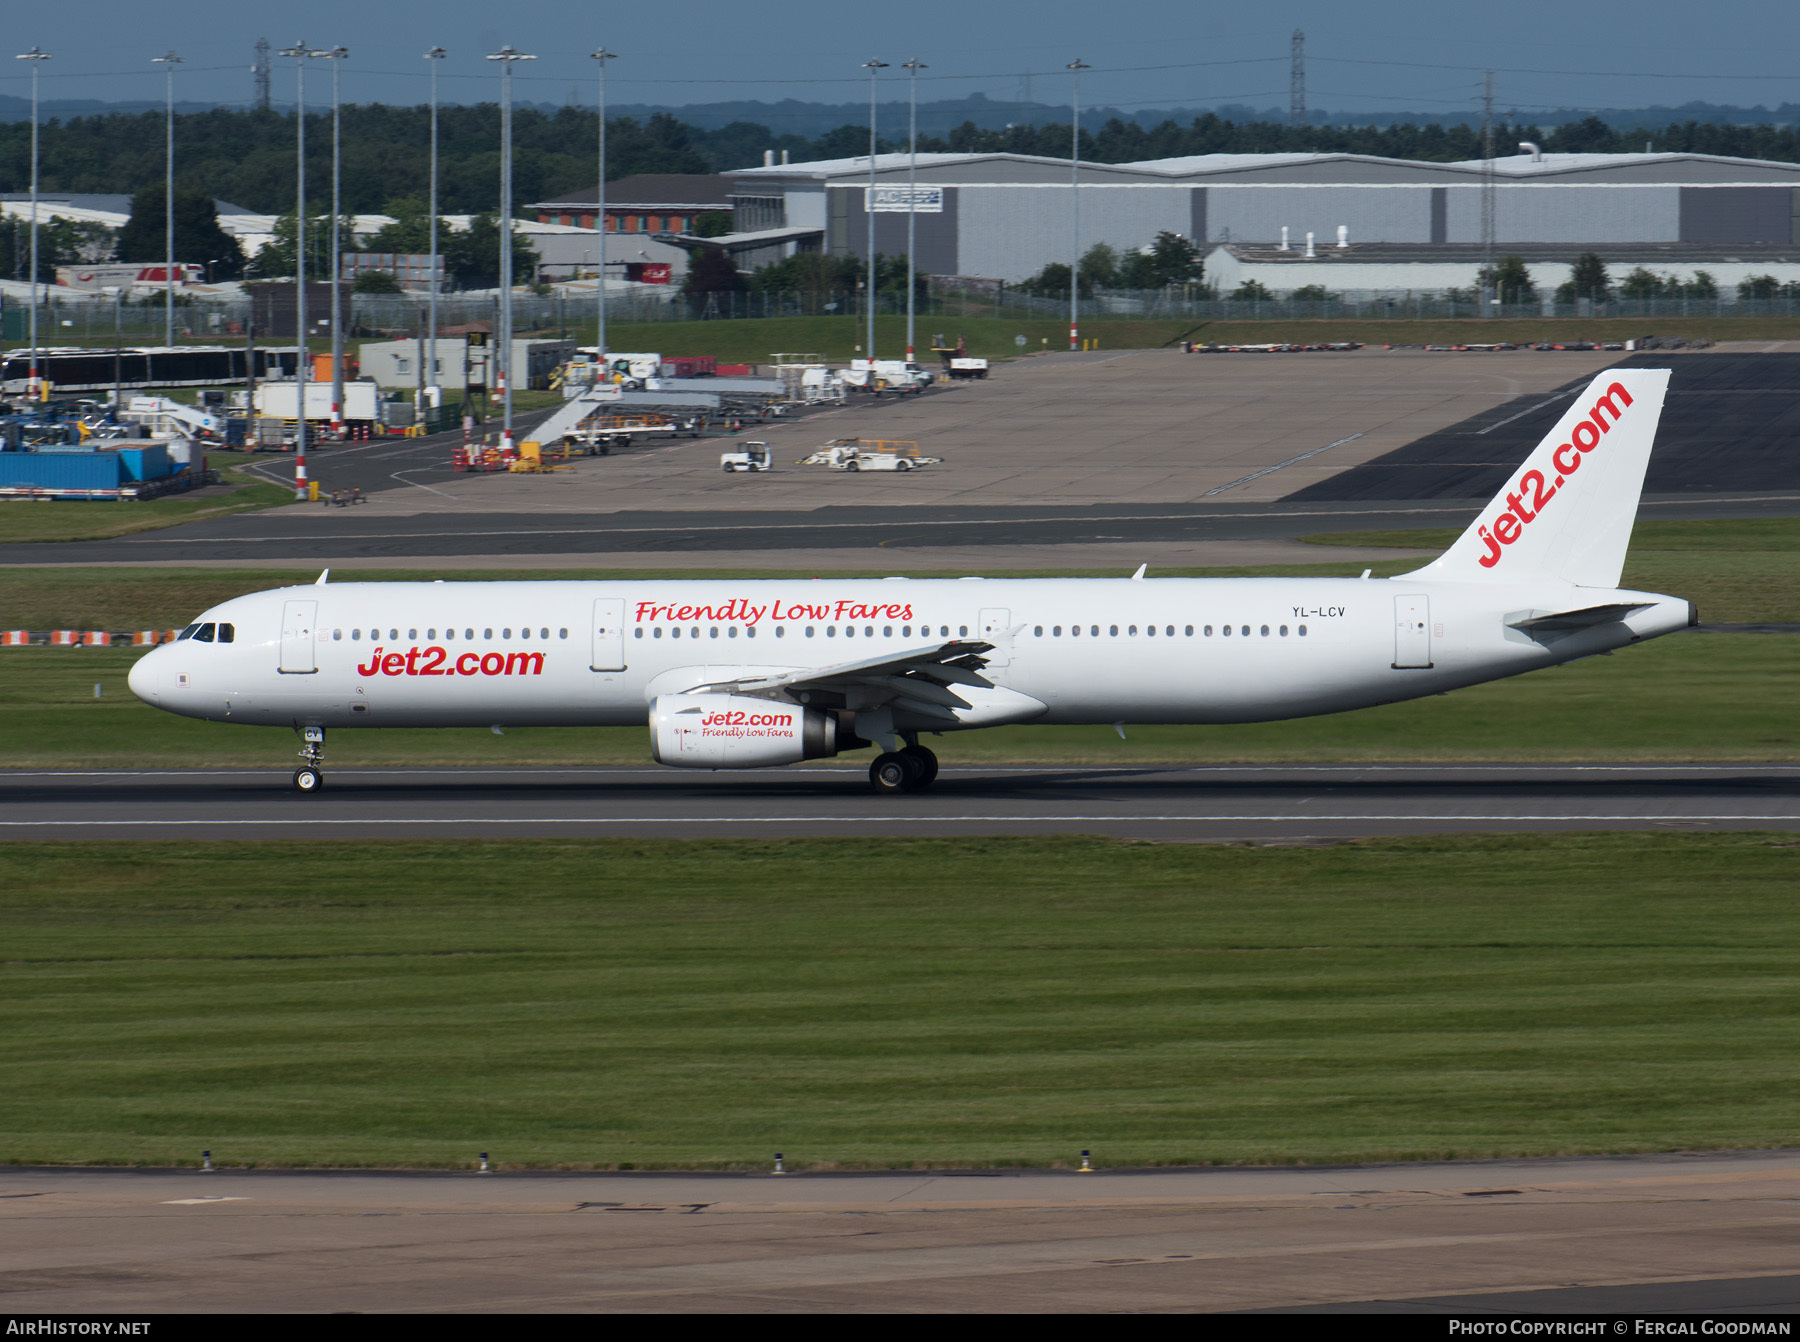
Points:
(393, 635)
(356, 636)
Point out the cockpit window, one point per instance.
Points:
(204, 634)
(227, 633)
(189, 632)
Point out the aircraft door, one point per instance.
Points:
(996, 628)
(297, 621)
(608, 629)
(1412, 632)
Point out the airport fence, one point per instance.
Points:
(77, 320)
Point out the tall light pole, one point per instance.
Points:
(506, 56)
(37, 57)
(336, 56)
(168, 64)
(912, 69)
(1075, 68)
(873, 67)
(435, 55)
(601, 56)
(303, 365)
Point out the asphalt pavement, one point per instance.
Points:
(1681, 1232)
(1203, 803)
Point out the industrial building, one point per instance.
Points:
(395, 363)
(1005, 216)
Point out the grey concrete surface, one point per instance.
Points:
(1138, 426)
(1664, 1232)
(1207, 803)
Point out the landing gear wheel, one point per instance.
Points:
(308, 780)
(894, 772)
(926, 762)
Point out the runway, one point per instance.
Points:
(1177, 803)
(1709, 1233)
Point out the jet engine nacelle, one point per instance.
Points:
(734, 731)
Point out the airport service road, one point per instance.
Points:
(884, 539)
(1688, 1232)
(1167, 802)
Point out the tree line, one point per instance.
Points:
(247, 157)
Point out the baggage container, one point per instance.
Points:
(149, 462)
(61, 471)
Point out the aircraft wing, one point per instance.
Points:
(917, 680)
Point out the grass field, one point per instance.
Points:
(980, 1002)
(1687, 697)
(747, 340)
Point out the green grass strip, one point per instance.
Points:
(886, 1003)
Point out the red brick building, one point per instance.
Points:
(647, 203)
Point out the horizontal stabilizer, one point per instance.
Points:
(1567, 621)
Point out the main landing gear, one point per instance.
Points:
(307, 778)
(908, 770)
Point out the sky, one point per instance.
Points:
(1381, 55)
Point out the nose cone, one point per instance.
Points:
(145, 677)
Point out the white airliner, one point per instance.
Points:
(749, 674)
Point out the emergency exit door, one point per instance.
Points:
(297, 621)
(1412, 632)
(608, 629)
(996, 628)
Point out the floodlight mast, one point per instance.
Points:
(435, 55)
(300, 52)
(912, 69)
(36, 56)
(1075, 68)
(601, 56)
(507, 56)
(873, 67)
(336, 56)
(169, 62)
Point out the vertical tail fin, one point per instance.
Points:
(1567, 512)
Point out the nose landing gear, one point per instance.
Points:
(307, 778)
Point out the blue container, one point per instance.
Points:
(61, 470)
(150, 462)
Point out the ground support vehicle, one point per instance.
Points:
(964, 369)
(869, 454)
(751, 457)
(478, 459)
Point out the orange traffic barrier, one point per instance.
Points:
(65, 638)
(96, 638)
(15, 638)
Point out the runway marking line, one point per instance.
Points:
(910, 819)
